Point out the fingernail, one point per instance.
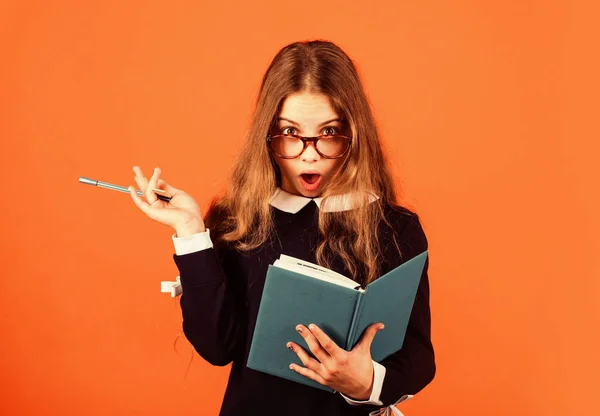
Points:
(289, 346)
(311, 327)
(291, 368)
(299, 329)
(381, 326)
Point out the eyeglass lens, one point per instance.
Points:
(331, 146)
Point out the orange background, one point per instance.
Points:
(489, 111)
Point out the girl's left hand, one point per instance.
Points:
(347, 372)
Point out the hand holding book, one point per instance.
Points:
(347, 372)
(299, 292)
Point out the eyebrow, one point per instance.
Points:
(322, 124)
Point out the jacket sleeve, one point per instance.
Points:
(212, 303)
(412, 368)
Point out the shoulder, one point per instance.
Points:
(405, 226)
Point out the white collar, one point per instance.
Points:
(291, 203)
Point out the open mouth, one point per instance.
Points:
(310, 178)
(310, 181)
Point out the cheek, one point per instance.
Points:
(286, 167)
(331, 167)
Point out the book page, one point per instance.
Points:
(314, 270)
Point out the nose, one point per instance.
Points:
(310, 153)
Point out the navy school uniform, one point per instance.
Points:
(221, 295)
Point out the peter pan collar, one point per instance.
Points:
(291, 203)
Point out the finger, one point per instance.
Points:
(151, 197)
(142, 185)
(140, 179)
(143, 205)
(306, 372)
(170, 189)
(326, 342)
(313, 344)
(368, 336)
(306, 359)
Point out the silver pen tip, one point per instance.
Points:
(87, 181)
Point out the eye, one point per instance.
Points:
(289, 131)
(330, 131)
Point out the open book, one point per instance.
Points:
(300, 292)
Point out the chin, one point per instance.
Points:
(309, 194)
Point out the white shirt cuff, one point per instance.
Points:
(378, 376)
(192, 243)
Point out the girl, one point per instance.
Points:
(311, 182)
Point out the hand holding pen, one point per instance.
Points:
(164, 203)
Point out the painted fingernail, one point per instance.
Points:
(289, 346)
(299, 329)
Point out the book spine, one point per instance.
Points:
(355, 319)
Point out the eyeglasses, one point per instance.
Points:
(290, 146)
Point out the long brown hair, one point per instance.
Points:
(317, 67)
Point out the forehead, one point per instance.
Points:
(307, 108)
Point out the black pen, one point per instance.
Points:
(162, 195)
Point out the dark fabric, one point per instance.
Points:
(221, 294)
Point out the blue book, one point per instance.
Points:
(300, 292)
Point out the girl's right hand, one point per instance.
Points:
(180, 212)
